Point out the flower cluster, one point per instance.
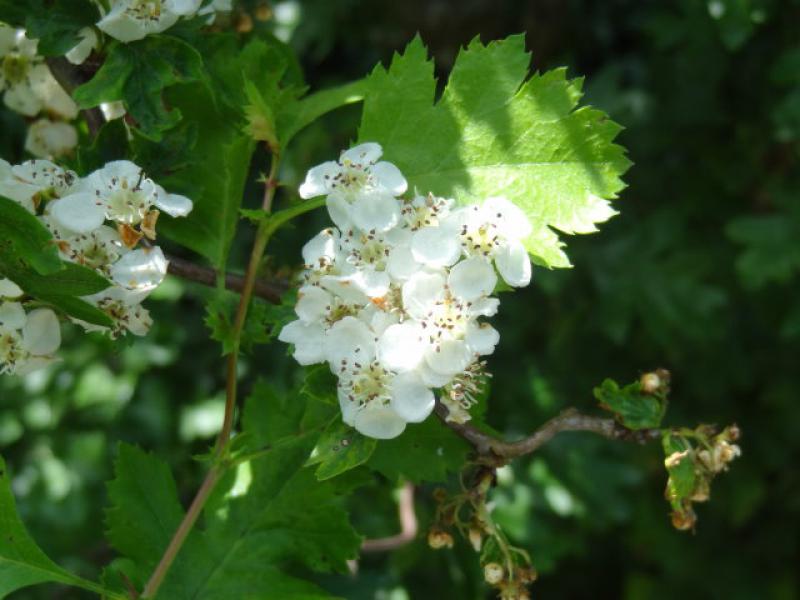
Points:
(130, 20)
(393, 296)
(99, 221)
(30, 89)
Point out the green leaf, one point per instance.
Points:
(22, 234)
(137, 73)
(498, 131)
(319, 384)
(339, 449)
(56, 24)
(426, 451)
(631, 407)
(771, 247)
(682, 475)
(22, 562)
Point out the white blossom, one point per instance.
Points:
(130, 20)
(28, 341)
(51, 139)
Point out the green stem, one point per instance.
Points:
(295, 210)
(222, 446)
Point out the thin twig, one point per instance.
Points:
(69, 77)
(492, 447)
(270, 291)
(408, 525)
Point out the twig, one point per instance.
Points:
(408, 525)
(270, 291)
(69, 77)
(489, 446)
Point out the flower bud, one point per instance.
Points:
(527, 574)
(493, 573)
(650, 383)
(475, 538)
(683, 520)
(674, 459)
(438, 539)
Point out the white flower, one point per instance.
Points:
(360, 190)
(33, 181)
(28, 341)
(98, 249)
(130, 20)
(51, 139)
(119, 192)
(123, 307)
(81, 51)
(495, 230)
(9, 289)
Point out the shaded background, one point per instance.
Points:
(698, 274)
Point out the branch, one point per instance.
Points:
(69, 77)
(570, 420)
(408, 525)
(270, 291)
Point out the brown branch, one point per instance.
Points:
(489, 446)
(69, 77)
(270, 291)
(408, 525)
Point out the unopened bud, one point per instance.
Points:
(674, 459)
(475, 538)
(527, 574)
(650, 383)
(733, 432)
(438, 539)
(493, 573)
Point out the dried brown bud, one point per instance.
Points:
(493, 573)
(683, 520)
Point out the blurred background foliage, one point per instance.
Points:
(698, 274)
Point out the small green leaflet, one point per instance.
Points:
(22, 562)
(22, 235)
(339, 449)
(498, 130)
(631, 407)
(137, 73)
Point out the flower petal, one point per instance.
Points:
(143, 269)
(79, 212)
(174, 205)
(481, 338)
(363, 154)
(514, 264)
(308, 341)
(411, 399)
(12, 315)
(436, 246)
(380, 422)
(375, 212)
(312, 303)
(321, 249)
(387, 177)
(472, 278)
(9, 289)
(41, 334)
(318, 180)
(421, 291)
(511, 222)
(401, 347)
(349, 341)
(450, 357)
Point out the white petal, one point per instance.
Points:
(81, 51)
(481, 338)
(41, 334)
(378, 212)
(48, 138)
(22, 99)
(318, 180)
(174, 205)
(436, 246)
(411, 399)
(451, 357)
(512, 223)
(380, 422)
(12, 315)
(80, 212)
(472, 278)
(345, 287)
(348, 407)
(143, 269)
(388, 177)
(321, 248)
(9, 289)
(421, 291)
(401, 264)
(349, 341)
(308, 341)
(430, 377)
(183, 7)
(484, 307)
(375, 284)
(363, 154)
(401, 347)
(514, 264)
(339, 211)
(33, 363)
(312, 303)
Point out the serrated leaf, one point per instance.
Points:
(633, 408)
(339, 449)
(22, 562)
(138, 73)
(426, 451)
(319, 384)
(56, 24)
(498, 131)
(22, 234)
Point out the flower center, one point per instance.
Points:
(369, 382)
(127, 205)
(146, 9)
(10, 350)
(15, 68)
(482, 240)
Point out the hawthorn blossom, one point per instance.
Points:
(130, 20)
(51, 139)
(34, 181)
(359, 189)
(393, 298)
(28, 340)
